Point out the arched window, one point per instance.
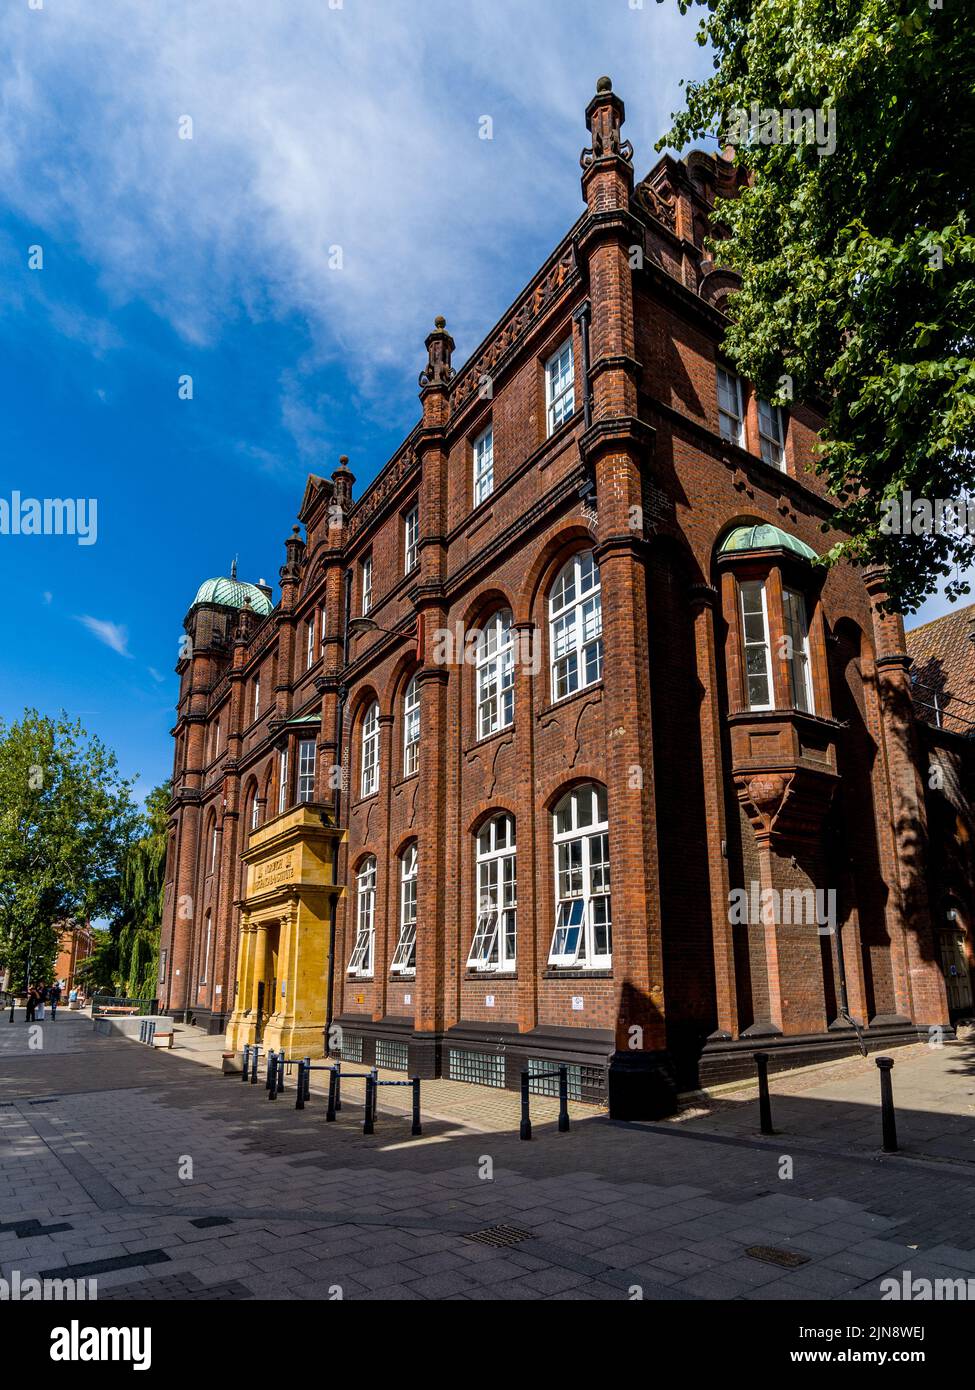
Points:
(212, 860)
(495, 673)
(583, 912)
(360, 962)
(204, 963)
(576, 626)
(404, 957)
(369, 779)
(411, 728)
(496, 932)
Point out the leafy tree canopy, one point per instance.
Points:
(66, 818)
(857, 265)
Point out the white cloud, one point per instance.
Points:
(315, 127)
(114, 635)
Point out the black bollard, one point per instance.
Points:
(243, 1075)
(764, 1100)
(338, 1085)
(415, 1083)
(374, 1073)
(526, 1123)
(151, 1032)
(332, 1088)
(270, 1070)
(272, 1076)
(307, 1078)
(888, 1121)
(254, 1057)
(563, 1100)
(367, 1123)
(11, 1018)
(142, 1031)
(300, 1088)
(281, 1071)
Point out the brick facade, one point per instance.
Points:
(708, 790)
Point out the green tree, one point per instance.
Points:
(857, 267)
(66, 816)
(137, 925)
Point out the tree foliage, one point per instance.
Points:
(858, 267)
(66, 817)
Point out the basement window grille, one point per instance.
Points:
(393, 1055)
(481, 1068)
(351, 1047)
(549, 1085)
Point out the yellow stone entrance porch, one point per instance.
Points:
(284, 932)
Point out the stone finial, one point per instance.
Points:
(439, 345)
(605, 115)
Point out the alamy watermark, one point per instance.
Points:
(769, 125)
(919, 516)
(757, 906)
(50, 516)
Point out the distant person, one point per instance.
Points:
(42, 995)
(31, 1004)
(55, 1000)
(73, 997)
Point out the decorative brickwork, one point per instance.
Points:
(638, 754)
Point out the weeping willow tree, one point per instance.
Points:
(135, 930)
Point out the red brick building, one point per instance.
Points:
(603, 768)
(943, 685)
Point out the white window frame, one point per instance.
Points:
(750, 643)
(309, 643)
(494, 674)
(411, 728)
(369, 769)
(306, 769)
(360, 962)
(731, 415)
(495, 944)
(204, 978)
(583, 896)
(404, 957)
(797, 633)
(213, 848)
(257, 697)
(483, 449)
(365, 584)
(411, 539)
(255, 811)
(560, 386)
(575, 626)
(282, 780)
(771, 434)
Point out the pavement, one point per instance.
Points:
(158, 1177)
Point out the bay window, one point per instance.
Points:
(754, 627)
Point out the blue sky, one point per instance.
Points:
(315, 124)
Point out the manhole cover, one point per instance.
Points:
(790, 1259)
(499, 1236)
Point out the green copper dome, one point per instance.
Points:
(231, 593)
(764, 536)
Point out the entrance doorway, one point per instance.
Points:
(957, 973)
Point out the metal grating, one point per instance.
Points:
(394, 1055)
(351, 1047)
(482, 1068)
(549, 1085)
(501, 1237)
(789, 1259)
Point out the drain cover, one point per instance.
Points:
(789, 1259)
(499, 1236)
